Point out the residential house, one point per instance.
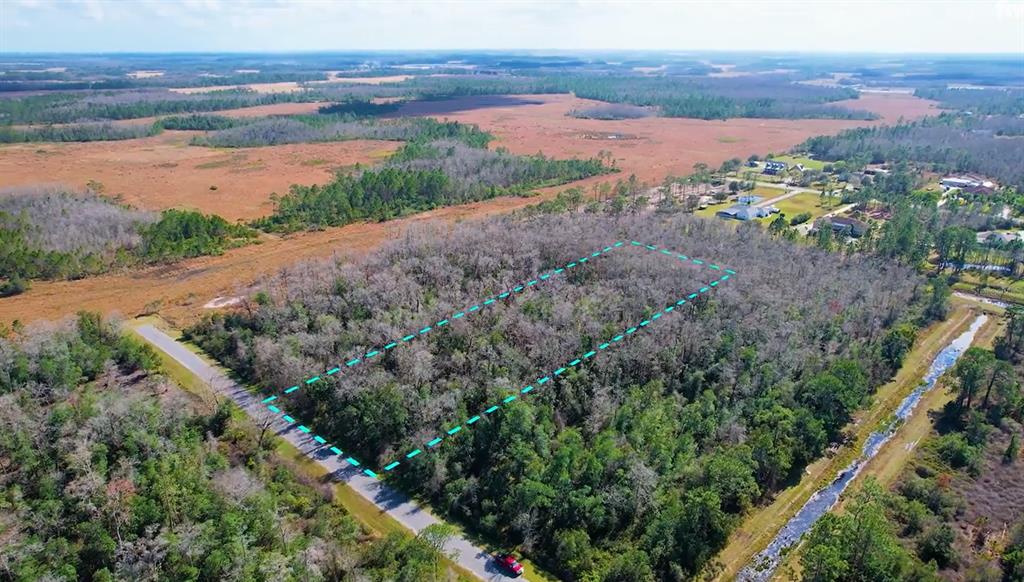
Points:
(845, 226)
(746, 212)
(773, 168)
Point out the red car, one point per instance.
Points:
(509, 564)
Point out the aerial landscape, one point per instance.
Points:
(581, 291)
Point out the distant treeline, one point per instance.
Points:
(698, 97)
(702, 98)
(59, 235)
(951, 143)
(332, 127)
(359, 108)
(69, 108)
(196, 122)
(988, 101)
(77, 132)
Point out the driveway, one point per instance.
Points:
(396, 504)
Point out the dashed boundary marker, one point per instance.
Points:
(526, 390)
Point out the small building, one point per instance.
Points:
(966, 182)
(953, 182)
(773, 168)
(845, 226)
(748, 199)
(752, 163)
(994, 237)
(746, 212)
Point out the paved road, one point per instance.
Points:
(397, 505)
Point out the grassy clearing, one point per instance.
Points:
(760, 526)
(805, 202)
(376, 521)
(768, 192)
(807, 162)
(995, 287)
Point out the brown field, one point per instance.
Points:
(653, 147)
(179, 291)
(163, 171)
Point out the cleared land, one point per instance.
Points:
(163, 171)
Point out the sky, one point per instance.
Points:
(893, 26)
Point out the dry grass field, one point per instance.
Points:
(164, 171)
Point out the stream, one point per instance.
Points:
(763, 565)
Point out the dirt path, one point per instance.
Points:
(759, 527)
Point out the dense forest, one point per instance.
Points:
(955, 509)
(991, 146)
(53, 234)
(633, 466)
(421, 176)
(111, 473)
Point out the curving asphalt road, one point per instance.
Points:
(397, 505)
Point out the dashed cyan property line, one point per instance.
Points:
(476, 308)
(531, 388)
(508, 399)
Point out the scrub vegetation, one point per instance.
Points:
(53, 234)
(636, 465)
(956, 511)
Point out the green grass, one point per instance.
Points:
(996, 287)
(805, 202)
(807, 162)
(766, 192)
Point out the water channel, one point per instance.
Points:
(763, 565)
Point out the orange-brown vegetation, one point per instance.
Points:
(162, 172)
(651, 147)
